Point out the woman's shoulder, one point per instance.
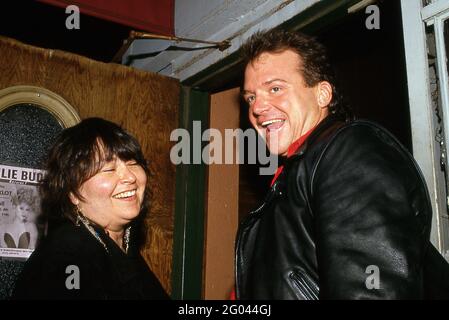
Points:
(63, 246)
(64, 253)
(67, 238)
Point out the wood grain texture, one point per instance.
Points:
(222, 203)
(144, 103)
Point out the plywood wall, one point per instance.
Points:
(222, 203)
(145, 104)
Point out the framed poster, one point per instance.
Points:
(20, 226)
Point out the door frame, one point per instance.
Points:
(422, 114)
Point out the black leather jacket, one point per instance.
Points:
(350, 200)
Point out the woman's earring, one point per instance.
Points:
(78, 218)
(126, 238)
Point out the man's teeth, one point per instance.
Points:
(267, 123)
(125, 194)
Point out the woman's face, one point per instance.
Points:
(113, 197)
(25, 212)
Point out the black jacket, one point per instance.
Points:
(348, 218)
(103, 274)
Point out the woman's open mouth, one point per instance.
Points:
(130, 194)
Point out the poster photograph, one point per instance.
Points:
(20, 228)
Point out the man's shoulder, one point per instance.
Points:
(363, 143)
(357, 133)
(340, 140)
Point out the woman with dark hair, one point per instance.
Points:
(93, 194)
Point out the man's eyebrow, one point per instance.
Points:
(273, 80)
(266, 83)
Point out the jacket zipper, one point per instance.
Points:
(251, 216)
(304, 284)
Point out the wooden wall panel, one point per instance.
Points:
(144, 103)
(222, 203)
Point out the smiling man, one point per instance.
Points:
(348, 214)
(282, 107)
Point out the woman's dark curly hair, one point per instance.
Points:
(78, 154)
(315, 65)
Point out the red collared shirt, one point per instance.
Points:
(291, 150)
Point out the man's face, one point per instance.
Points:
(281, 107)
